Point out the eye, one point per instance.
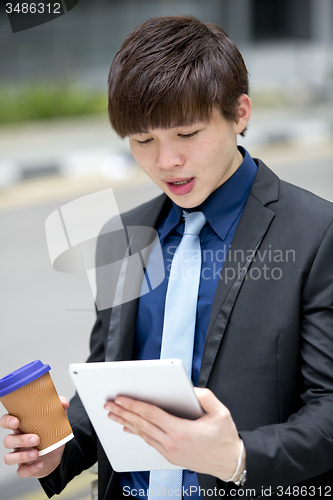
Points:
(187, 136)
(145, 142)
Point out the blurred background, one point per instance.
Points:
(56, 145)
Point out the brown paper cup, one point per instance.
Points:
(39, 409)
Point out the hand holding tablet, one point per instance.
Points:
(163, 383)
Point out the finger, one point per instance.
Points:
(127, 429)
(17, 431)
(150, 440)
(149, 412)
(21, 457)
(134, 421)
(132, 429)
(13, 441)
(208, 401)
(30, 470)
(9, 422)
(164, 442)
(164, 448)
(114, 414)
(64, 402)
(123, 417)
(120, 420)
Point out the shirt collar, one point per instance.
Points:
(223, 205)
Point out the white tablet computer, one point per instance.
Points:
(164, 383)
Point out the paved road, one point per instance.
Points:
(48, 315)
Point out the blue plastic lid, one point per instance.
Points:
(22, 376)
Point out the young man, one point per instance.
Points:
(262, 341)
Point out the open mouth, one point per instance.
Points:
(180, 183)
(182, 186)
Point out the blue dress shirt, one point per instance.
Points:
(222, 209)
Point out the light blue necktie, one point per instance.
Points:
(179, 325)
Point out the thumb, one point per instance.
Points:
(208, 401)
(64, 402)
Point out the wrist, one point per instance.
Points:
(239, 475)
(242, 467)
(241, 479)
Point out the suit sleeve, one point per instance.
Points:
(302, 448)
(81, 452)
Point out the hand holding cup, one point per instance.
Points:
(37, 417)
(30, 464)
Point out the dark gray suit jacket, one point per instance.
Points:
(269, 348)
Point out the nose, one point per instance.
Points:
(168, 156)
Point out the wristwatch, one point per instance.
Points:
(241, 480)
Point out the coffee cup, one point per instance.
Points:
(29, 394)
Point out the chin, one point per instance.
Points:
(188, 203)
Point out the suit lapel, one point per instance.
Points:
(252, 227)
(122, 323)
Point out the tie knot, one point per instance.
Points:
(194, 222)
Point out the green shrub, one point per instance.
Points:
(36, 102)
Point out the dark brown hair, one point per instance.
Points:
(170, 71)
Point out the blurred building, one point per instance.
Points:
(285, 42)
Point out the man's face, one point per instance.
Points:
(189, 163)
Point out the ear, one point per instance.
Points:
(243, 113)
